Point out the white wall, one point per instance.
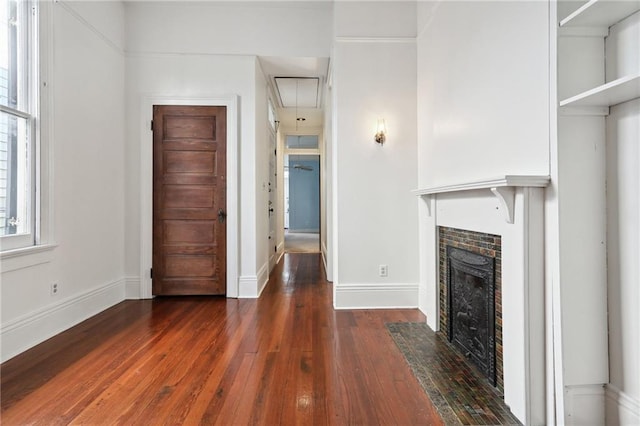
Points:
(194, 77)
(483, 82)
(623, 231)
(374, 211)
(375, 19)
(234, 28)
(263, 151)
(201, 49)
(483, 111)
(326, 217)
(86, 85)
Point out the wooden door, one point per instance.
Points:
(189, 200)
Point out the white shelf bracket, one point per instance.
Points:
(506, 195)
(427, 202)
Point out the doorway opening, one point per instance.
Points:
(302, 194)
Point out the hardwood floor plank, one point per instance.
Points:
(304, 389)
(286, 358)
(228, 410)
(217, 385)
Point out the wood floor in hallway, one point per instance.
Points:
(286, 358)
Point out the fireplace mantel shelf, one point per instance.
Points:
(502, 187)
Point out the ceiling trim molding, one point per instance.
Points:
(406, 40)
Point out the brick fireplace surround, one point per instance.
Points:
(484, 244)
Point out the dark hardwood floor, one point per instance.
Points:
(286, 358)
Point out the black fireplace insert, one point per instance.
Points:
(471, 307)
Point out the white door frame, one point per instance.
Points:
(307, 131)
(146, 185)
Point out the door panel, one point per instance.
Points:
(196, 231)
(189, 266)
(189, 192)
(189, 162)
(197, 127)
(187, 196)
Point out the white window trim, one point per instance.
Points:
(40, 239)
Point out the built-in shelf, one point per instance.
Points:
(615, 92)
(601, 13)
(502, 187)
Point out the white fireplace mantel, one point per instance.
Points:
(471, 205)
(502, 187)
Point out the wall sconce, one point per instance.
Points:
(381, 132)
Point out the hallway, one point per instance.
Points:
(299, 242)
(286, 358)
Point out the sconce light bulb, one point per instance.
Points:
(381, 132)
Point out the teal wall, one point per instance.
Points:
(304, 193)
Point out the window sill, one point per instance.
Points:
(26, 257)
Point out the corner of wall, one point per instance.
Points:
(132, 288)
(251, 286)
(621, 408)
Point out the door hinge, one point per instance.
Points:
(151, 273)
(152, 125)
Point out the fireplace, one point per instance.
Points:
(470, 298)
(471, 293)
(501, 218)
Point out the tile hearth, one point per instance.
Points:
(456, 388)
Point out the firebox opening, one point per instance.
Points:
(471, 295)
(474, 260)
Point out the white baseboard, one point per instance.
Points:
(584, 405)
(263, 278)
(621, 408)
(248, 287)
(375, 296)
(132, 288)
(251, 286)
(324, 253)
(31, 329)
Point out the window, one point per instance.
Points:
(18, 114)
(302, 142)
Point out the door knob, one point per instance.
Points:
(222, 215)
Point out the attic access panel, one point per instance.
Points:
(300, 92)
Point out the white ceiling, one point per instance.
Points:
(301, 78)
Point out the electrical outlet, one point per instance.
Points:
(54, 289)
(382, 270)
